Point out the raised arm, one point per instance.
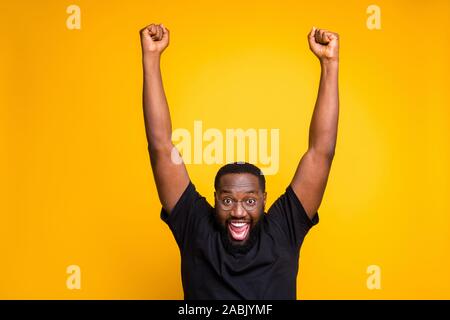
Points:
(311, 177)
(170, 174)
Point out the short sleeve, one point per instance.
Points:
(187, 215)
(289, 216)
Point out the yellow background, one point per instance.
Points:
(76, 183)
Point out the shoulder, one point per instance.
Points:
(190, 201)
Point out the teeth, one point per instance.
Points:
(239, 224)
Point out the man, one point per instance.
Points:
(236, 250)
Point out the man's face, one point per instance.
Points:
(239, 204)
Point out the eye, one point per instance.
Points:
(227, 201)
(250, 202)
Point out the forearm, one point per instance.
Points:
(324, 122)
(156, 111)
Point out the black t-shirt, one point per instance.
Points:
(267, 271)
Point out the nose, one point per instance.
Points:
(239, 211)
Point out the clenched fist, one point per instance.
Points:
(154, 39)
(324, 44)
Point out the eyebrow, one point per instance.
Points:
(229, 191)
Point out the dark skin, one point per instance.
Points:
(310, 179)
(240, 187)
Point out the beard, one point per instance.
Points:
(239, 247)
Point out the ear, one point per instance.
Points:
(265, 197)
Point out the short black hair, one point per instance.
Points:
(241, 167)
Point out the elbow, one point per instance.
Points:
(323, 145)
(160, 148)
(158, 142)
(324, 153)
(330, 153)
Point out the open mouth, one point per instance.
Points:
(238, 230)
